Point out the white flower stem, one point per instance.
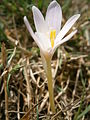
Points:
(50, 84)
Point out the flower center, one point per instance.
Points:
(52, 37)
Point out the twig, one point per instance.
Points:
(19, 47)
(26, 116)
(56, 115)
(87, 35)
(13, 54)
(26, 74)
(44, 101)
(4, 59)
(32, 76)
(56, 69)
(76, 82)
(3, 74)
(63, 89)
(18, 106)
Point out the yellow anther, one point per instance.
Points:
(52, 37)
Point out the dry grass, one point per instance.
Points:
(23, 84)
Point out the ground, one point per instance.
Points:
(23, 84)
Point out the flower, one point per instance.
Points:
(48, 37)
(49, 34)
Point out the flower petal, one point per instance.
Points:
(64, 40)
(44, 41)
(31, 32)
(67, 27)
(39, 21)
(54, 16)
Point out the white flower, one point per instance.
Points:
(49, 34)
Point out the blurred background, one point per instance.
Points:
(23, 84)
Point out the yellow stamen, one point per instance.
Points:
(52, 37)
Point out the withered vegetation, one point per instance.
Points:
(23, 84)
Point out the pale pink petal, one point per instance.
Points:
(54, 16)
(67, 27)
(64, 39)
(44, 41)
(31, 32)
(39, 21)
